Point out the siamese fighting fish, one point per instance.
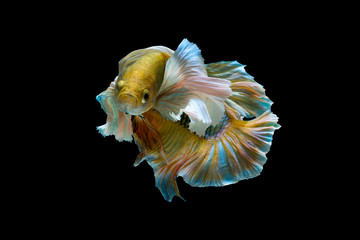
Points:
(211, 123)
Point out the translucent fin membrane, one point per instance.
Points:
(248, 98)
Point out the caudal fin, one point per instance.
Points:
(238, 153)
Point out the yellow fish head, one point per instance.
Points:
(134, 100)
(137, 88)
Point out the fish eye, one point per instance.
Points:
(146, 96)
(120, 84)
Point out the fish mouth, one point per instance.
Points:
(127, 102)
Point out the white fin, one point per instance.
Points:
(197, 111)
(184, 63)
(117, 123)
(187, 88)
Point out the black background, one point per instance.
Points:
(90, 180)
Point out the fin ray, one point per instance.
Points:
(248, 97)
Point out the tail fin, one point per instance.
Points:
(237, 154)
(232, 151)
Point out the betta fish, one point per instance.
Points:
(211, 123)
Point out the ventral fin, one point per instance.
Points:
(147, 138)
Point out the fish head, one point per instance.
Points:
(138, 85)
(134, 99)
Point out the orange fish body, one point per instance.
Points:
(187, 118)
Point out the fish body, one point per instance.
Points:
(188, 117)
